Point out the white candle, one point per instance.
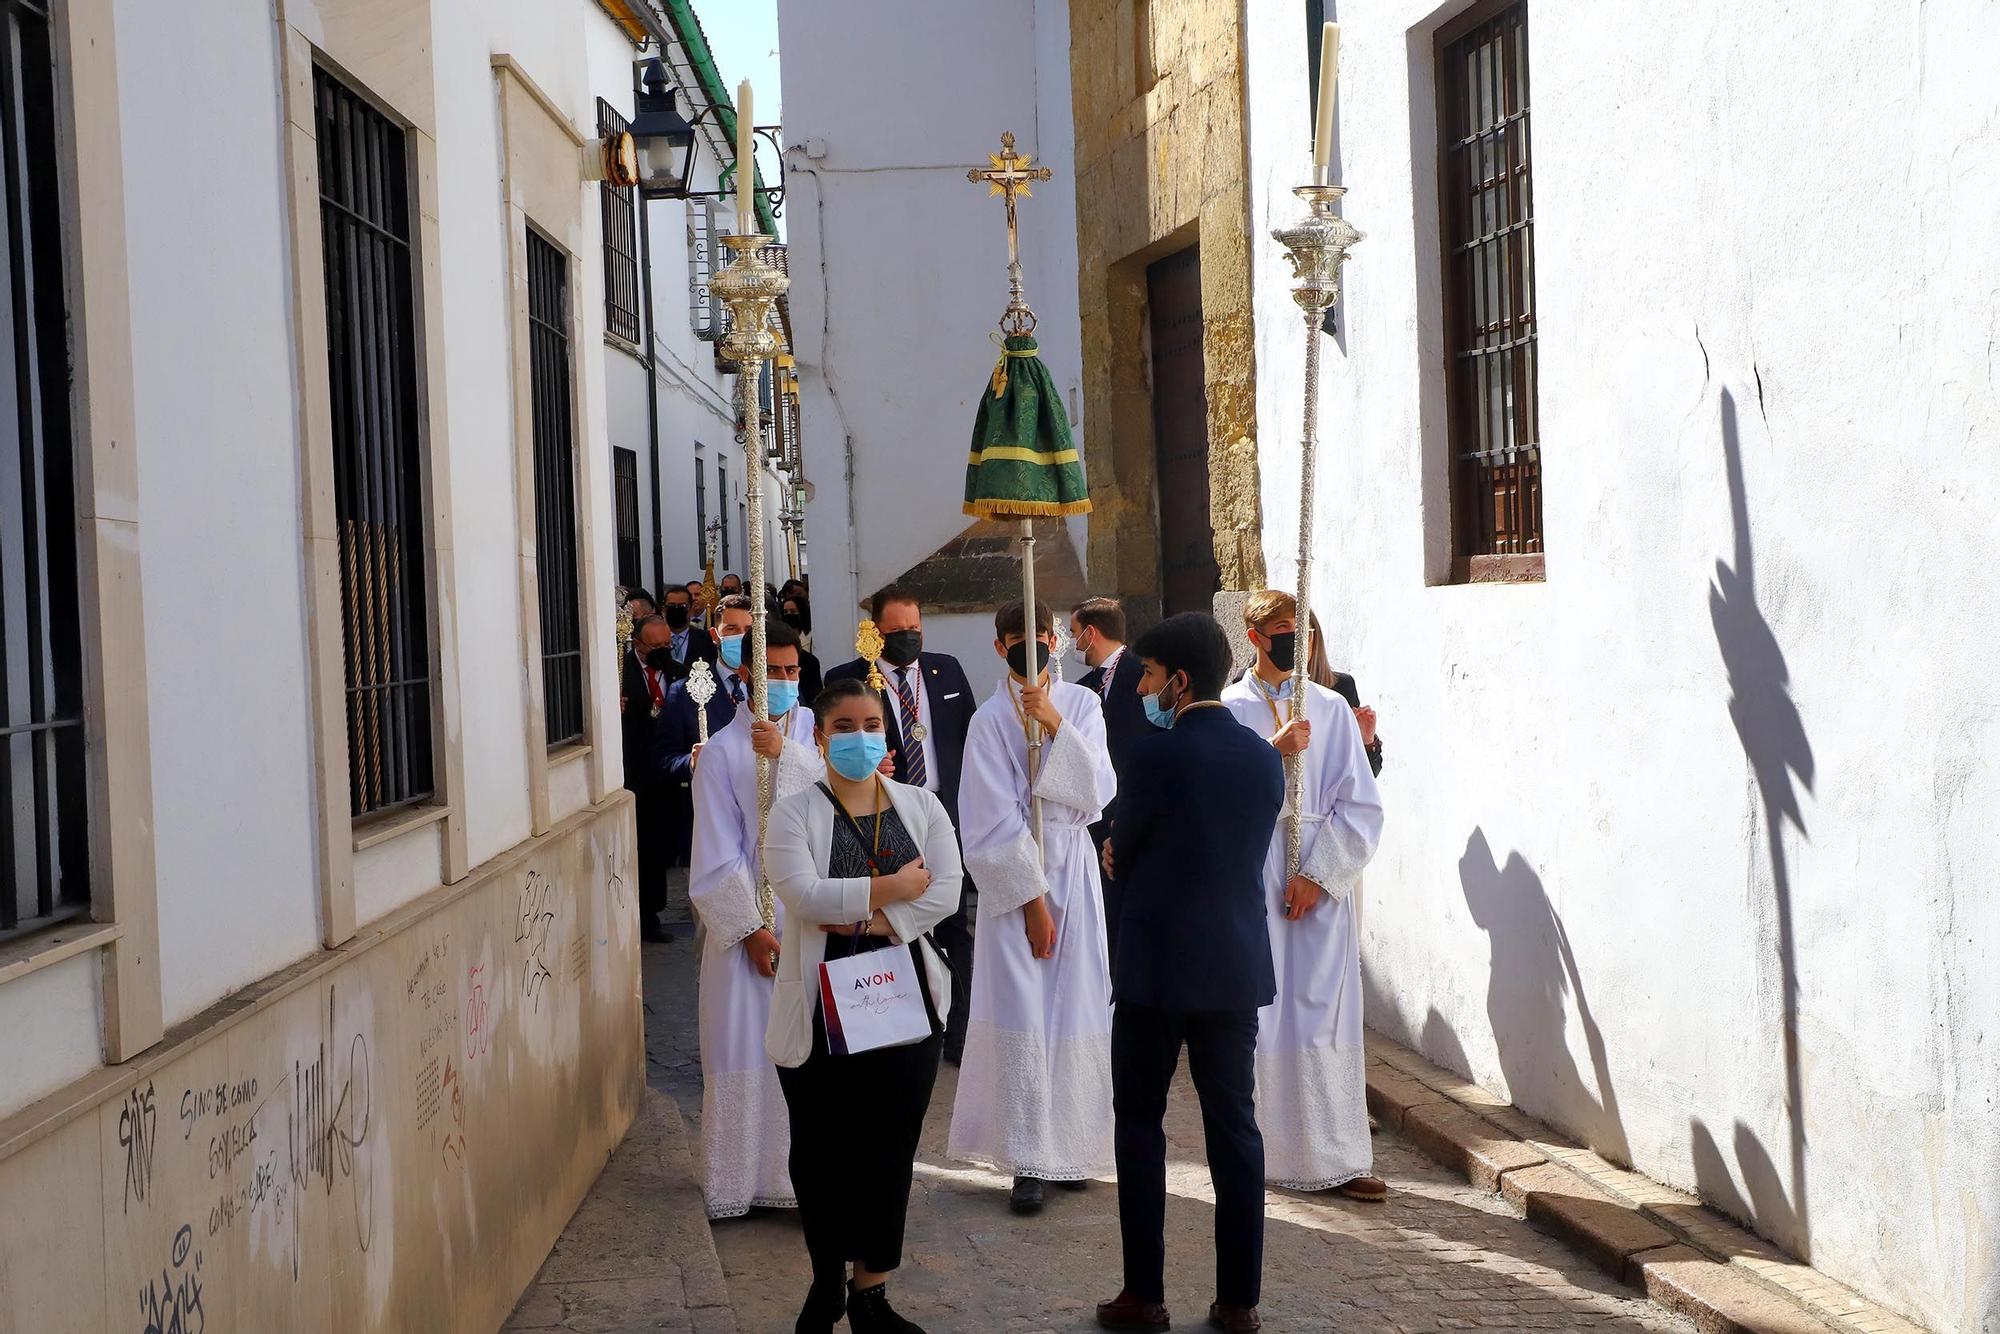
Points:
(1329, 71)
(746, 161)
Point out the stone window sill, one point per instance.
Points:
(376, 832)
(66, 940)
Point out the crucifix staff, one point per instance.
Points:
(1012, 175)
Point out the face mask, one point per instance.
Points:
(677, 615)
(1158, 712)
(783, 697)
(902, 647)
(731, 650)
(1284, 650)
(855, 755)
(796, 621)
(1017, 659)
(661, 659)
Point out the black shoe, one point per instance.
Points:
(1027, 1196)
(825, 1304)
(651, 931)
(1081, 1183)
(869, 1312)
(954, 1055)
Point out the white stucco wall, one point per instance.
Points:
(1743, 257)
(233, 755)
(899, 264)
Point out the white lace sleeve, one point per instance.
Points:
(1000, 853)
(1075, 769)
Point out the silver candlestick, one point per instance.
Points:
(749, 287)
(1318, 247)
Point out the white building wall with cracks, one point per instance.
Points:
(1691, 846)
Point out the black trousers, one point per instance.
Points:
(1222, 1049)
(652, 813)
(855, 1124)
(954, 936)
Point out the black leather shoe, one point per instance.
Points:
(652, 932)
(1128, 1312)
(1235, 1319)
(825, 1304)
(869, 1312)
(1027, 1196)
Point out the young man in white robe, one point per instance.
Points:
(1312, 1097)
(1034, 1089)
(745, 1130)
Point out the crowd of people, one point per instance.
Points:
(1119, 850)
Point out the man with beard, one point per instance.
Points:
(927, 710)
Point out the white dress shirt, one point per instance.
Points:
(914, 674)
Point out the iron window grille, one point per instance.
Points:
(555, 492)
(722, 505)
(700, 512)
(1487, 200)
(705, 313)
(44, 845)
(625, 495)
(621, 241)
(377, 448)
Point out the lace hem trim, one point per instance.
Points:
(739, 1210)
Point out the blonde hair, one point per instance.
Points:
(1268, 605)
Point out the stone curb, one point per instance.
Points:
(1683, 1255)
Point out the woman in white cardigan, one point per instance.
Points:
(862, 864)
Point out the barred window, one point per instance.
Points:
(722, 505)
(44, 849)
(705, 314)
(625, 496)
(1487, 201)
(700, 512)
(555, 491)
(371, 349)
(621, 241)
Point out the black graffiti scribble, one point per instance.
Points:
(325, 1128)
(171, 1304)
(135, 1134)
(614, 875)
(537, 914)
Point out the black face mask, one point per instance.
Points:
(677, 615)
(796, 620)
(1017, 659)
(902, 647)
(1284, 650)
(661, 659)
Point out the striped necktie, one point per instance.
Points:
(914, 772)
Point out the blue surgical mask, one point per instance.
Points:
(731, 649)
(855, 755)
(1158, 712)
(783, 697)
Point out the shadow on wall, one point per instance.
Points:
(1531, 970)
(1774, 741)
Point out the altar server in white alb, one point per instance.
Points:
(1312, 1102)
(745, 1135)
(1034, 1091)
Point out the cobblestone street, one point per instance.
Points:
(1439, 1255)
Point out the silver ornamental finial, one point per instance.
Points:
(701, 683)
(1064, 645)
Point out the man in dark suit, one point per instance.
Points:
(1197, 805)
(1098, 627)
(642, 699)
(690, 643)
(675, 738)
(928, 709)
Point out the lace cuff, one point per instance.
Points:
(799, 767)
(1009, 875)
(729, 911)
(1068, 775)
(1337, 859)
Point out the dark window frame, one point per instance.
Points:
(381, 491)
(1486, 257)
(619, 210)
(44, 732)
(625, 508)
(722, 510)
(558, 565)
(700, 511)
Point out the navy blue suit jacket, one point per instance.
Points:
(948, 699)
(675, 733)
(1125, 722)
(1197, 804)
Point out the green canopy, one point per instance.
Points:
(1024, 463)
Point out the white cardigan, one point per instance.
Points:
(797, 849)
